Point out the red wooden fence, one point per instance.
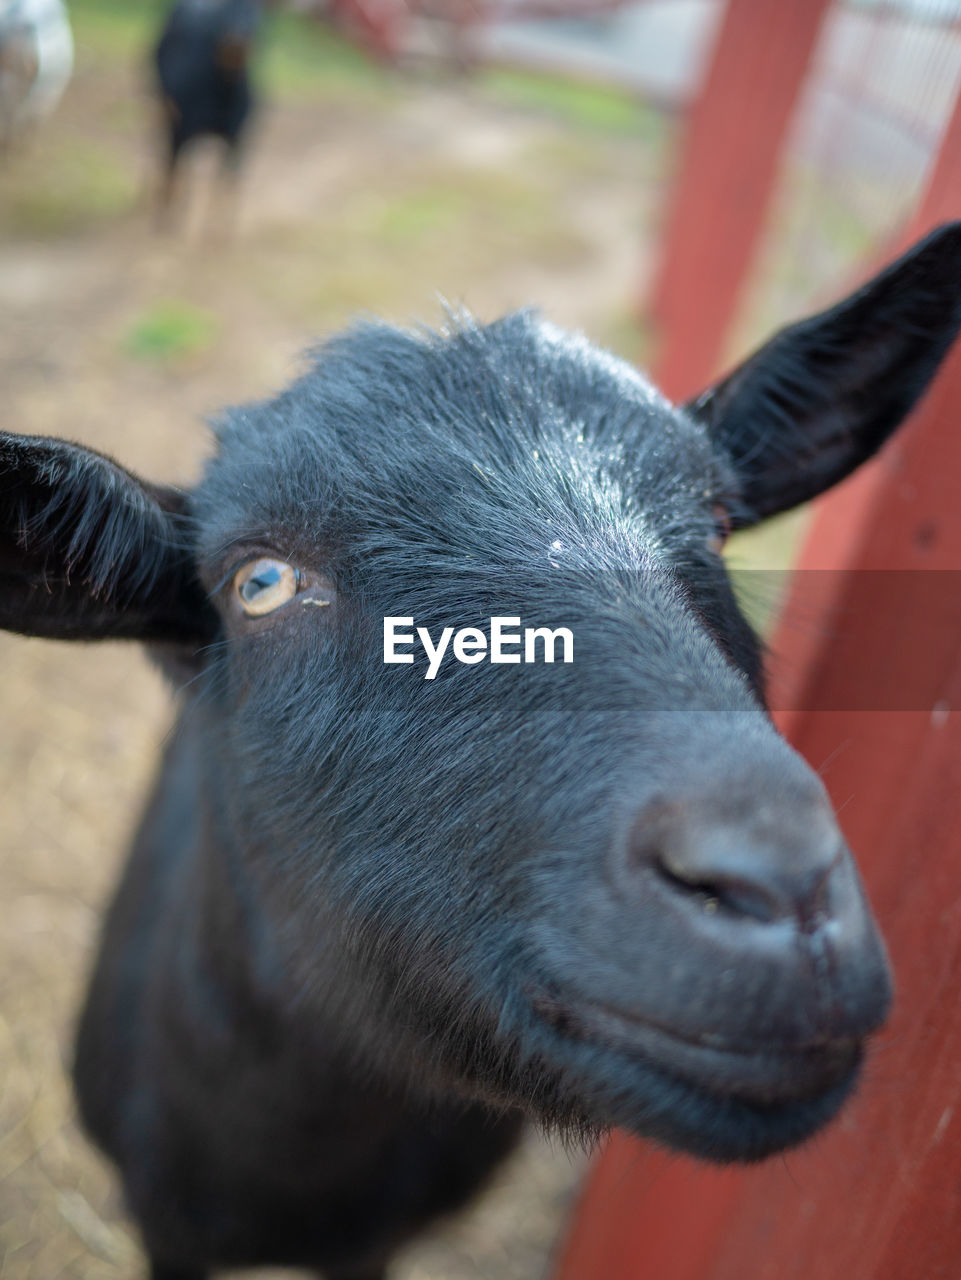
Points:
(878, 1196)
(728, 166)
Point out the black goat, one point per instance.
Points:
(372, 921)
(202, 62)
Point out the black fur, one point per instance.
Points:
(786, 414)
(370, 921)
(88, 551)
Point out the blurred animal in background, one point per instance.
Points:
(36, 59)
(202, 61)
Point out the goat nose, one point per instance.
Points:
(752, 864)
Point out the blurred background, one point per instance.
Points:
(494, 153)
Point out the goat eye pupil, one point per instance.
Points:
(260, 581)
(264, 585)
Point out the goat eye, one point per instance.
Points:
(264, 585)
(722, 528)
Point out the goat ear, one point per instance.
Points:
(823, 395)
(88, 551)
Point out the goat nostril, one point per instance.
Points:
(703, 891)
(732, 894)
(741, 861)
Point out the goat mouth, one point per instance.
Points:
(764, 1075)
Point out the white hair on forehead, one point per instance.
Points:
(551, 337)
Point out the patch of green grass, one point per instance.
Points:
(759, 560)
(845, 224)
(120, 27)
(446, 229)
(376, 284)
(417, 215)
(169, 330)
(598, 107)
(464, 210)
(455, 204)
(772, 544)
(628, 335)
(577, 154)
(67, 186)
(306, 59)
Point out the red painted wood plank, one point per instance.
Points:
(729, 164)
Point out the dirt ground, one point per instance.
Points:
(375, 196)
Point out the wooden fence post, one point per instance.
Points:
(729, 165)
